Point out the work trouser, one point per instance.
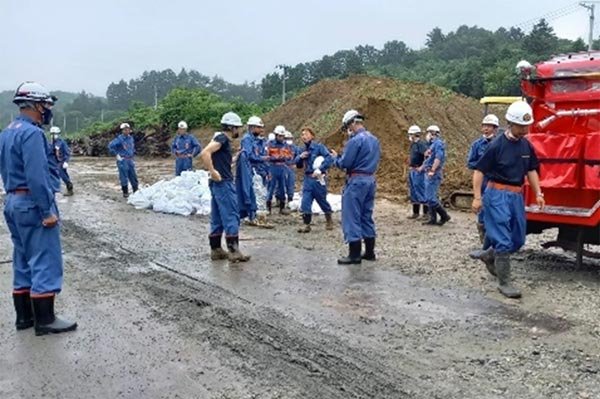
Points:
(313, 190)
(127, 173)
(182, 164)
(358, 203)
(64, 175)
(416, 185)
(504, 219)
(224, 213)
(37, 254)
(244, 186)
(290, 182)
(277, 182)
(432, 188)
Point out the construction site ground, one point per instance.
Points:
(158, 319)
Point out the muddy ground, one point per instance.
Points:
(158, 319)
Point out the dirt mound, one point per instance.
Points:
(390, 106)
(150, 142)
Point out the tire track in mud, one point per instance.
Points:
(276, 352)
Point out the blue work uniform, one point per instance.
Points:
(279, 153)
(290, 173)
(224, 212)
(244, 184)
(62, 154)
(416, 178)
(185, 147)
(25, 170)
(360, 160)
(437, 150)
(476, 151)
(124, 145)
(312, 189)
(506, 162)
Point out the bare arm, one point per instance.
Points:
(534, 181)
(477, 182)
(206, 156)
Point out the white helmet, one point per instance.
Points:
(414, 129)
(434, 128)
(520, 113)
(32, 91)
(271, 136)
(351, 116)
(182, 125)
(279, 130)
(255, 121)
(124, 126)
(288, 135)
(491, 119)
(54, 130)
(231, 119)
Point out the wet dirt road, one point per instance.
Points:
(158, 319)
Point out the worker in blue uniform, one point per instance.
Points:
(489, 128)
(290, 173)
(123, 146)
(224, 212)
(250, 158)
(315, 159)
(279, 154)
(506, 162)
(31, 213)
(434, 174)
(185, 147)
(416, 176)
(62, 154)
(360, 160)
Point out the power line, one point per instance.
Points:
(550, 16)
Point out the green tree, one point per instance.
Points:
(541, 41)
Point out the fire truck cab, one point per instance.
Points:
(564, 93)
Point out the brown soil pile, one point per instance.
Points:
(151, 142)
(390, 107)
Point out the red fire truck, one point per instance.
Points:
(565, 95)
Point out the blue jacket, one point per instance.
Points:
(437, 150)
(24, 162)
(315, 150)
(185, 144)
(123, 145)
(361, 154)
(417, 153)
(477, 150)
(254, 148)
(61, 150)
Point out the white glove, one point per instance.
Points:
(119, 158)
(317, 173)
(65, 165)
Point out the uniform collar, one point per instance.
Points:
(26, 118)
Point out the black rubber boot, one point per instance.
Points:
(504, 282)
(481, 232)
(444, 217)
(488, 257)
(306, 219)
(45, 320)
(125, 190)
(134, 188)
(269, 207)
(432, 217)
(22, 303)
(216, 252)
(328, 221)
(69, 189)
(415, 213)
(353, 257)
(425, 212)
(234, 250)
(369, 249)
(282, 209)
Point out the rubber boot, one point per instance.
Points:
(353, 257)
(69, 189)
(481, 232)
(504, 282)
(282, 209)
(22, 303)
(432, 218)
(444, 217)
(369, 249)
(306, 218)
(328, 221)
(216, 252)
(415, 213)
(425, 212)
(134, 188)
(234, 250)
(45, 322)
(125, 190)
(269, 207)
(488, 257)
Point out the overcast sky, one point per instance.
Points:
(79, 45)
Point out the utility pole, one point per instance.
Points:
(283, 77)
(102, 115)
(590, 6)
(64, 122)
(155, 98)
